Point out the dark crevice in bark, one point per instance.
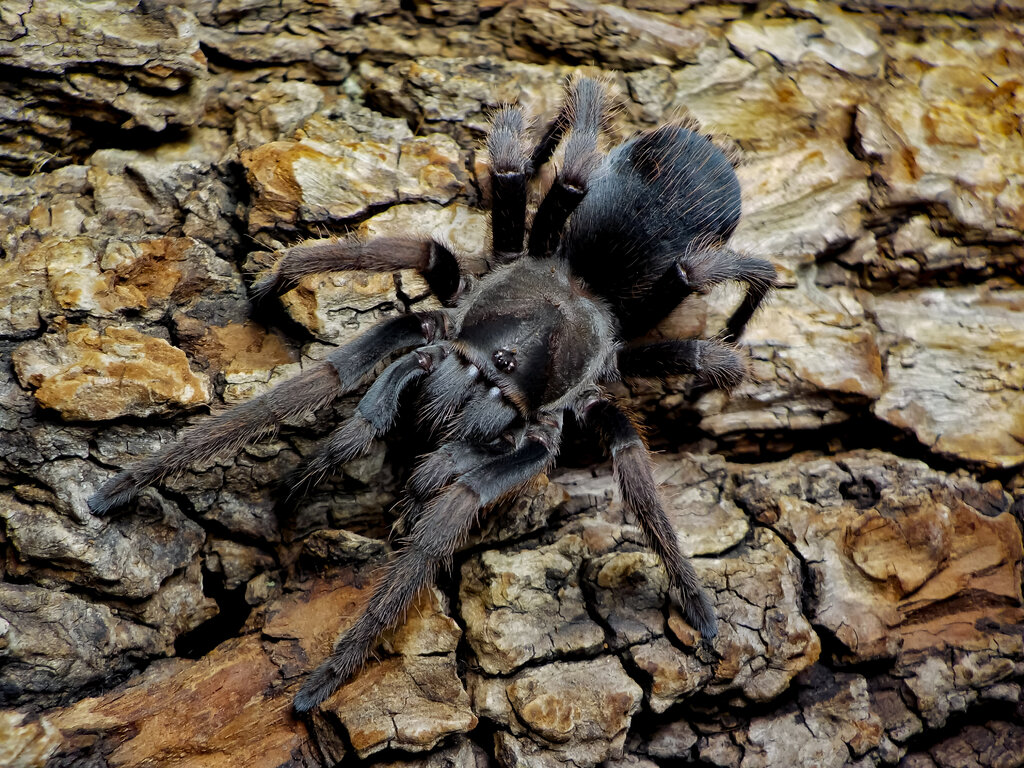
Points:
(233, 611)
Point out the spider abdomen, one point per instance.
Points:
(657, 200)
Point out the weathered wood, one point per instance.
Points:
(854, 506)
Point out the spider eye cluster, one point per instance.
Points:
(504, 360)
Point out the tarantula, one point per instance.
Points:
(616, 243)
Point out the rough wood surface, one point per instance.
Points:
(855, 506)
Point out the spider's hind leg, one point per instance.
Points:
(718, 265)
(760, 277)
(509, 173)
(585, 110)
(435, 261)
(583, 105)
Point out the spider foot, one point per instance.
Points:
(271, 284)
(329, 676)
(117, 491)
(721, 367)
(698, 611)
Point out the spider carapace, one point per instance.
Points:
(616, 243)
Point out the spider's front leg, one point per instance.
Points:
(434, 535)
(314, 389)
(374, 416)
(632, 466)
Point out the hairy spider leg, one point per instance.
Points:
(712, 362)
(585, 110)
(446, 390)
(631, 464)
(344, 368)
(457, 403)
(374, 417)
(576, 88)
(436, 470)
(435, 261)
(433, 538)
(708, 267)
(699, 272)
(509, 171)
(439, 468)
(760, 277)
(484, 416)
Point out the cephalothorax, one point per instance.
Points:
(617, 242)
